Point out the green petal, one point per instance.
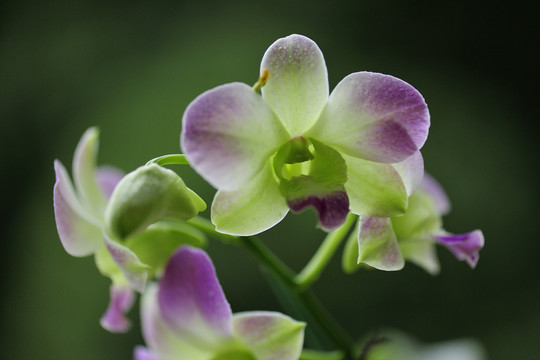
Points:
(270, 335)
(374, 189)
(420, 219)
(377, 244)
(252, 209)
(155, 245)
(297, 89)
(84, 172)
(421, 252)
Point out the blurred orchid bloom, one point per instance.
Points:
(188, 317)
(400, 346)
(385, 243)
(80, 220)
(296, 146)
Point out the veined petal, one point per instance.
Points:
(191, 300)
(121, 301)
(270, 335)
(374, 117)
(434, 190)
(251, 209)
(107, 177)
(78, 232)
(84, 171)
(465, 246)
(229, 133)
(129, 264)
(374, 189)
(411, 172)
(377, 244)
(162, 341)
(297, 89)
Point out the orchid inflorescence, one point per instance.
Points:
(352, 155)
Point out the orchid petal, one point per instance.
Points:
(135, 272)
(121, 301)
(465, 246)
(411, 172)
(270, 335)
(374, 189)
(434, 190)
(420, 220)
(252, 209)
(421, 252)
(374, 117)
(229, 133)
(107, 177)
(377, 244)
(84, 171)
(79, 233)
(297, 89)
(142, 353)
(161, 340)
(191, 300)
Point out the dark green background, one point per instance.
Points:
(132, 67)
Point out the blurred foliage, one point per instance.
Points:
(132, 67)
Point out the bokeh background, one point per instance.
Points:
(131, 68)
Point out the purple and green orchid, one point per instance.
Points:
(188, 317)
(385, 243)
(98, 198)
(296, 146)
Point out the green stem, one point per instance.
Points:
(269, 260)
(170, 159)
(328, 324)
(318, 262)
(307, 299)
(324, 321)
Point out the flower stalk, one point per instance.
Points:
(318, 262)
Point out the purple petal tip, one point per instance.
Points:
(465, 246)
(121, 302)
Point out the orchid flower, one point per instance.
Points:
(80, 220)
(188, 317)
(385, 243)
(400, 346)
(295, 146)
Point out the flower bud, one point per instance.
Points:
(146, 195)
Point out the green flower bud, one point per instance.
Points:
(146, 195)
